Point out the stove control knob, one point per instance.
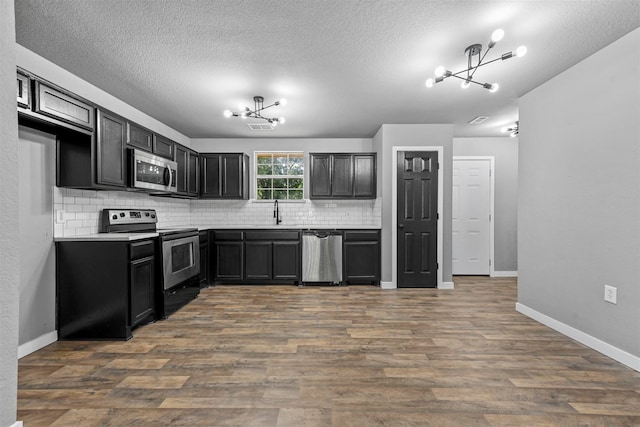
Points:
(121, 214)
(153, 215)
(114, 217)
(146, 214)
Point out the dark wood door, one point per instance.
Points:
(111, 168)
(320, 176)
(142, 289)
(182, 158)
(163, 147)
(286, 260)
(342, 176)
(417, 219)
(193, 183)
(229, 260)
(139, 137)
(232, 176)
(258, 260)
(210, 186)
(364, 176)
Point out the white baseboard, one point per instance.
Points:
(387, 285)
(504, 274)
(446, 285)
(608, 350)
(34, 345)
(17, 424)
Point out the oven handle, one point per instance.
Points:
(176, 236)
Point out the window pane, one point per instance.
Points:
(264, 194)
(279, 159)
(295, 183)
(279, 170)
(279, 194)
(296, 168)
(264, 170)
(279, 183)
(264, 158)
(264, 183)
(295, 194)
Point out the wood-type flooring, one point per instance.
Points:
(333, 356)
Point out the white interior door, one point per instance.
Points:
(471, 219)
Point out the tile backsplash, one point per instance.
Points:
(81, 210)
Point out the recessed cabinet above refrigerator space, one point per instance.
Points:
(342, 175)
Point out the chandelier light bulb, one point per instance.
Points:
(521, 51)
(274, 122)
(228, 113)
(440, 71)
(429, 82)
(281, 120)
(497, 35)
(465, 84)
(494, 87)
(282, 101)
(513, 135)
(504, 129)
(243, 115)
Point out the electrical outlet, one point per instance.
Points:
(610, 294)
(60, 217)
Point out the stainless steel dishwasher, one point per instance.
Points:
(322, 256)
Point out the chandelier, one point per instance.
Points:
(472, 51)
(256, 113)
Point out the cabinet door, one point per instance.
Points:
(229, 260)
(193, 183)
(364, 176)
(24, 98)
(210, 177)
(362, 261)
(182, 158)
(163, 147)
(61, 106)
(139, 137)
(342, 176)
(204, 265)
(111, 167)
(286, 260)
(142, 289)
(232, 176)
(258, 258)
(320, 176)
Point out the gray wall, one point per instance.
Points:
(579, 195)
(390, 136)
(9, 249)
(505, 151)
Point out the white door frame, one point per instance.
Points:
(492, 185)
(394, 210)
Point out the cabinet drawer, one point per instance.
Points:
(139, 137)
(24, 98)
(163, 147)
(141, 249)
(361, 235)
(272, 235)
(228, 235)
(58, 105)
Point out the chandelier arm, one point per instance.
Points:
(469, 80)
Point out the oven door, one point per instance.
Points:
(180, 259)
(152, 172)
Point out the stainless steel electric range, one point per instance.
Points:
(179, 255)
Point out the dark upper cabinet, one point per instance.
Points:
(110, 144)
(24, 91)
(224, 175)
(139, 137)
(361, 256)
(343, 175)
(163, 147)
(64, 107)
(320, 175)
(188, 171)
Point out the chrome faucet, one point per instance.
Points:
(276, 212)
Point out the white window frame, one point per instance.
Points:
(254, 183)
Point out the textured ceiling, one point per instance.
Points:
(345, 66)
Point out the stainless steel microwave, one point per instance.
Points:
(152, 172)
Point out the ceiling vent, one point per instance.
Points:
(260, 126)
(478, 120)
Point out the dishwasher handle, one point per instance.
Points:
(322, 234)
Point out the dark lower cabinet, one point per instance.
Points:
(104, 289)
(204, 277)
(257, 256)
(361, 256)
